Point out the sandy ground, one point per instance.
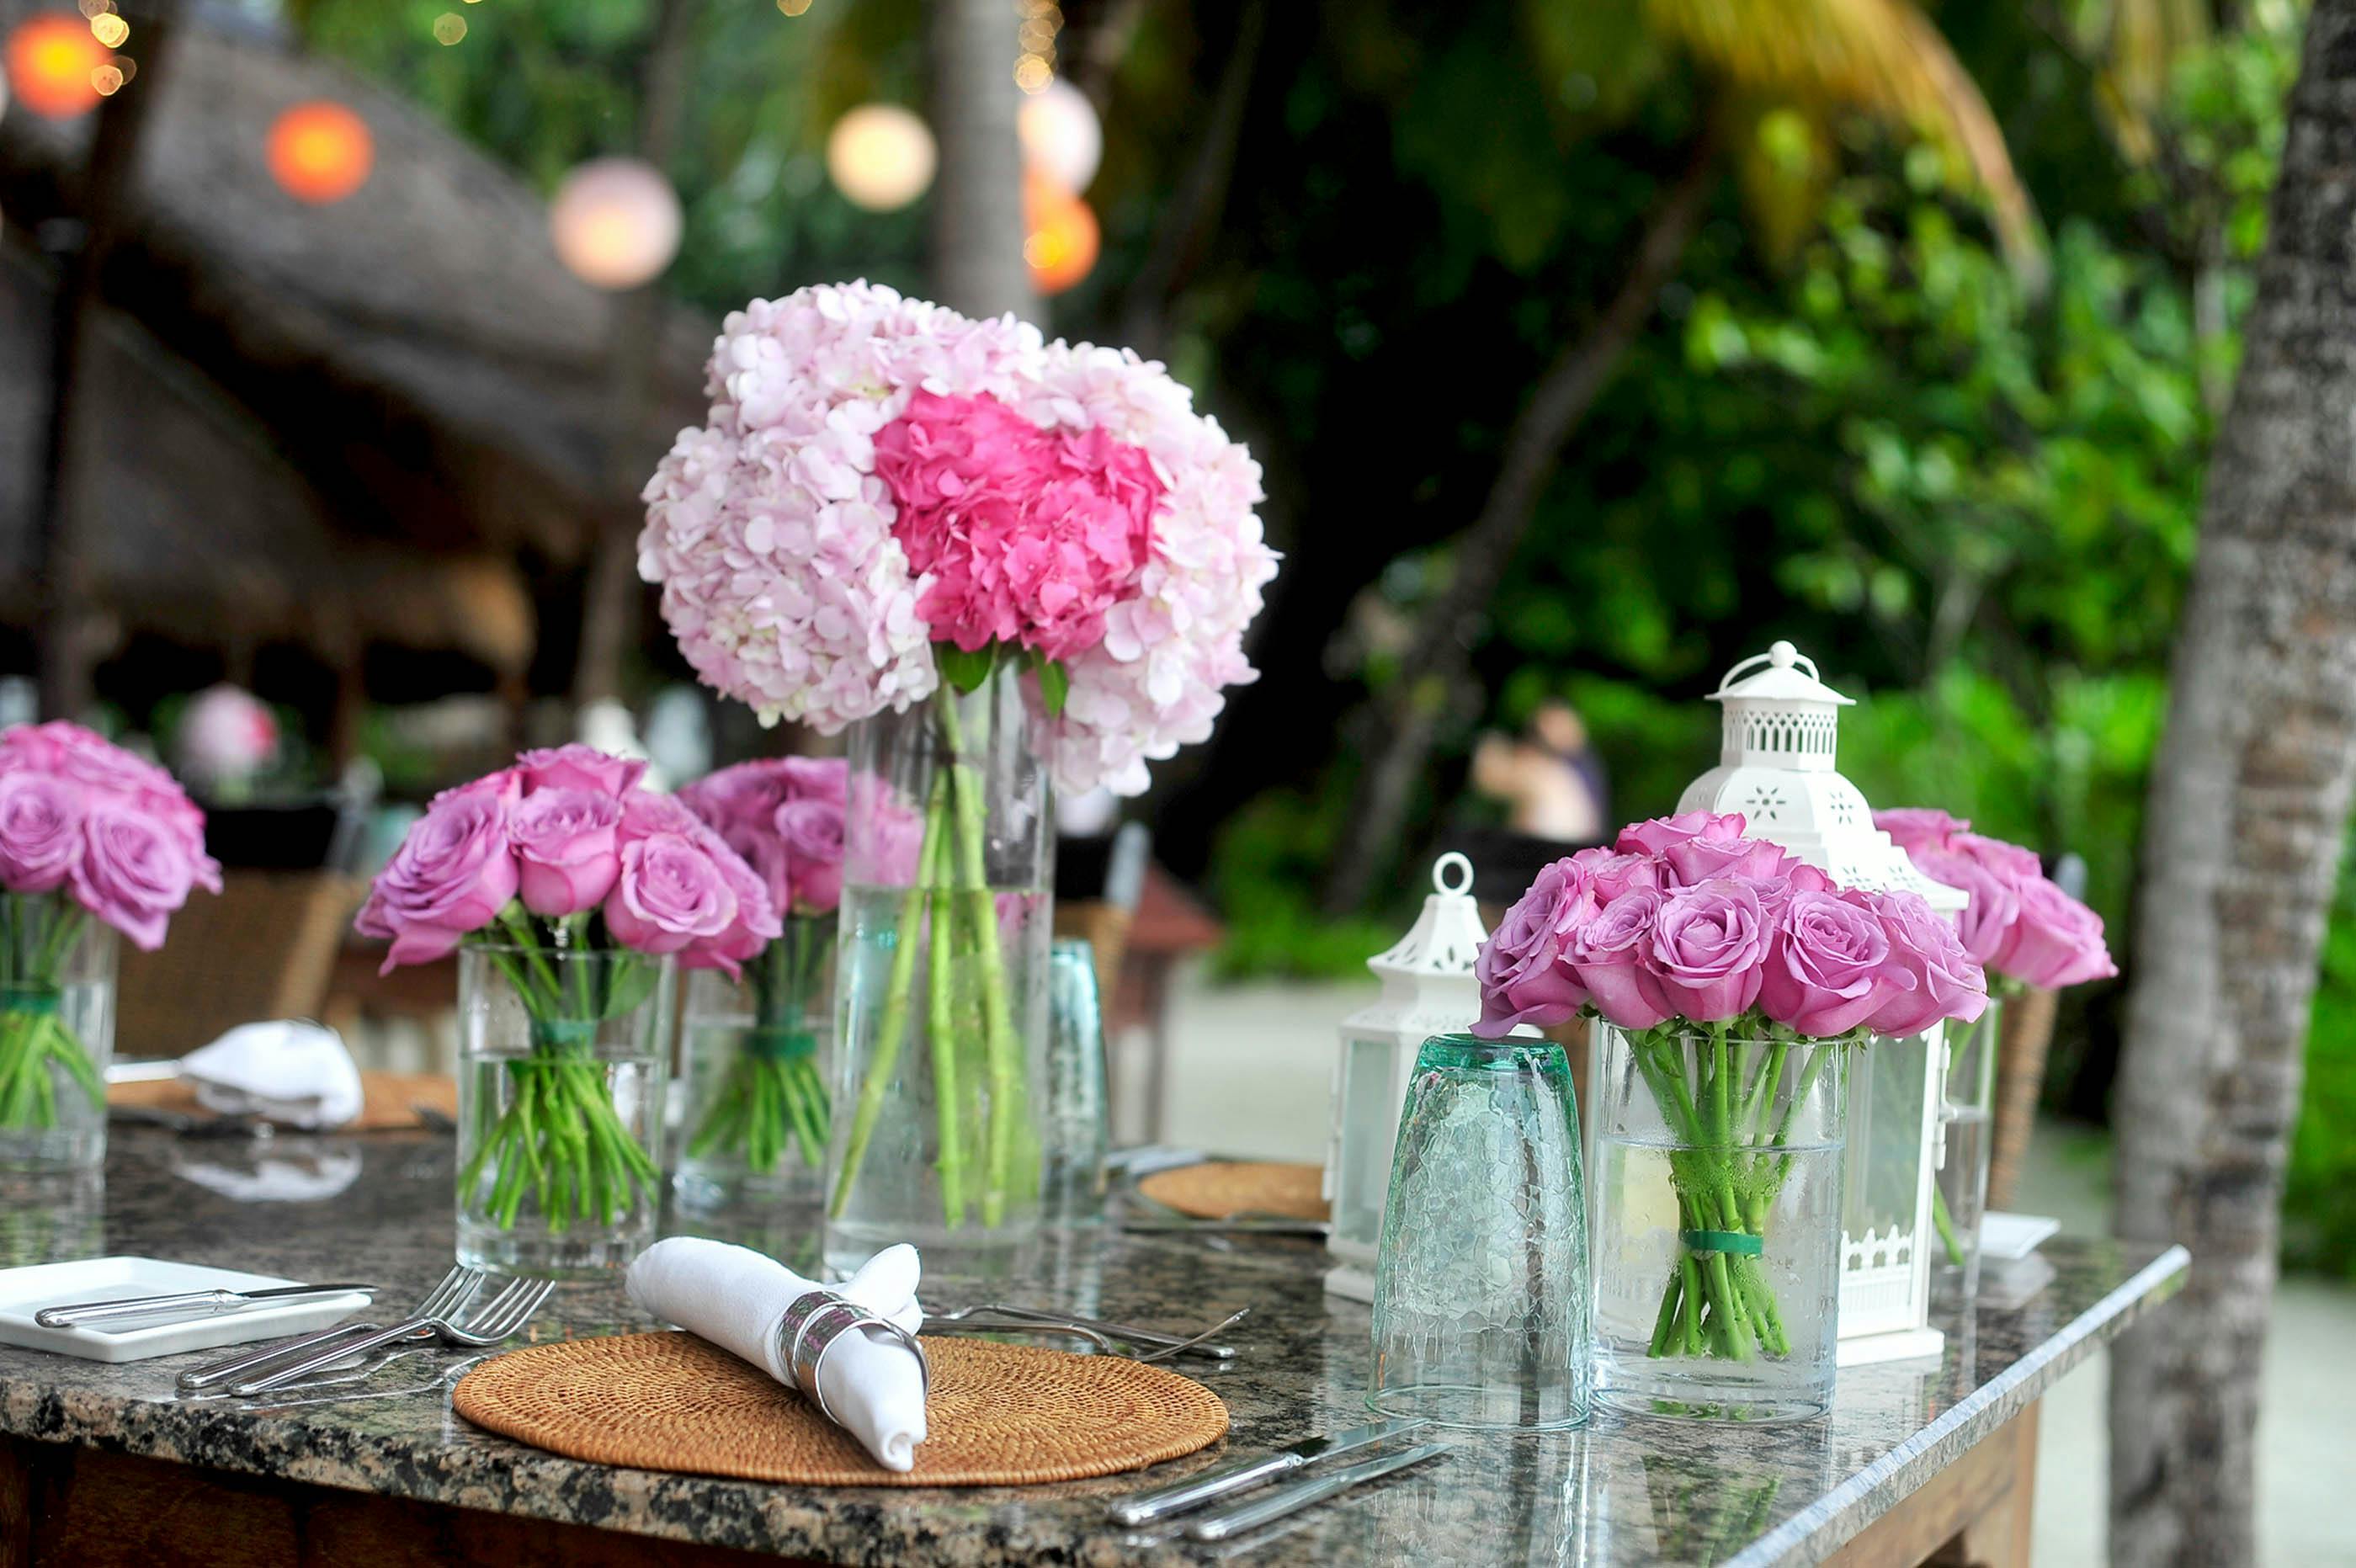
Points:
(1280, 1041)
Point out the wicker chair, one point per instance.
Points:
(264, 949)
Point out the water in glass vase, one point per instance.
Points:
(941, 1051)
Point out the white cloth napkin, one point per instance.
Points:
(734, 1297)
(289, 1070)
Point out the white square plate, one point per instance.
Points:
(2013, 1236)
(25, 1291)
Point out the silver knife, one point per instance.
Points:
(187, 1302)
(1234, 1521)
(1143, 1507)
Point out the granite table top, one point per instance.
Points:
(1621, 1491)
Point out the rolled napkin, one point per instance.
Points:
(870, 1382)
(288, 1070)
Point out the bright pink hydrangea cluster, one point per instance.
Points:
(1686, 917)
(785, 816)
(566, 836)
(117, 833)
(866, 487)
(2020, 922)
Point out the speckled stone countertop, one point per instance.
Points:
(1623, 1491)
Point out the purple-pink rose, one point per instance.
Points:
(2010, 861)
(578, 766)
(1612, 873)
(566, 853)
(1830, 969)
(1986, 921)
(1947, 981)
(1912, 827)
(646, 814)
(505, 785)
(1609, 955)
(1709, 949)
(40, 831)
(1719, 851)
(2055, 941)
(1654, 837)
(1525, 978)
(812, 833)
(670, 894)
(452, 875)
(133, 871)
(756, 923)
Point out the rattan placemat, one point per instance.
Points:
(1219, 1190)
(997, 1415)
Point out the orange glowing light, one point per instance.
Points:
(1061, 237)
(320, 152)
(50, 58)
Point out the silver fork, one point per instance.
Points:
(453, 1289)
(483, 1324)
(1162, 1344)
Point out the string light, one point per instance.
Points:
(1061, 236)
(881, 157)
(110, 29)
(449, 27)
(1062, 138)
(320, 152)
(793, 8)
(1035, 66)
(51, 61)
(616, 222)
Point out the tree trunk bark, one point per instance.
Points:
(977, 265)
(1439, 661)
(2244, 829)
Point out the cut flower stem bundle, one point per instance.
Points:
(40, 931)
(773, 1101)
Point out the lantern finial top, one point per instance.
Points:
(1781, 681)
(1452, 874)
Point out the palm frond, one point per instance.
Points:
(1882, 58)
(2141, 44)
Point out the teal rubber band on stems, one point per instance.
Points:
(772, 1042)
(1732, 1242)
(34, 1001)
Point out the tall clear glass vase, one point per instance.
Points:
(1967, 1121)
(941, 995)
(1715, 1221)
(754, 1053)
(56, 1033)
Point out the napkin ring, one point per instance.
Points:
(812, 1326)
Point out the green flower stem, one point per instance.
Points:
(37, 932)
(1001, 1048)
(941, 1032)
(892, 1029)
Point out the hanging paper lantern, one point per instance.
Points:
(616, 222)
(320, 152)
(881, 157)
(1061, 237)
(50, 58)
(1062, 138)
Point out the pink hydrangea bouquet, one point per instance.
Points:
(785, 818)
(574, 884)
(1738, 976)
(87, 832)
(890, 505)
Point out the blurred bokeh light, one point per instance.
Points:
(320, 152)
(881, 157)
(616, 222)
(1062, 138)
(52, 60)
(1061, 236)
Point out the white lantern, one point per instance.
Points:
(1427, 988)
(1775, 767)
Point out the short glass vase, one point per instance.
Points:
(1480, 1293)
(755, 1056)
(1966, 1125)
(562, 1058)
(56, 1033)
(1715, 1221)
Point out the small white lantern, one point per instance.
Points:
(1427, 988)
(1775, 767)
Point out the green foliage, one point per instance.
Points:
(1269, 858)
(2320, 1196)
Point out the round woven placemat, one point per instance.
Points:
(1219, 1189)
(997, 1415)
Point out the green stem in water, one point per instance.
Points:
(940, 1033)
(1001, 1050)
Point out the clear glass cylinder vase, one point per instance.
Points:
(563, 1059)
(754, 1054)
(941, 995)
(1716, 1222)
(1966, 1125)
(1481, 1292)
(56, 1033)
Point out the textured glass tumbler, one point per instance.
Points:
(1480, 1293)
(1076, 1133)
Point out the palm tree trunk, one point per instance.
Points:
(977, 265)
(2248, 811)
(1440, 659)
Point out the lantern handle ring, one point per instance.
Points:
(1452, 866)
(1780, 654)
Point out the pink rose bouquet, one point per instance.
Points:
(87, 832)
(890, 505)
(573, 883)
(784, 817)
(2019, 923)
(1738, 976)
